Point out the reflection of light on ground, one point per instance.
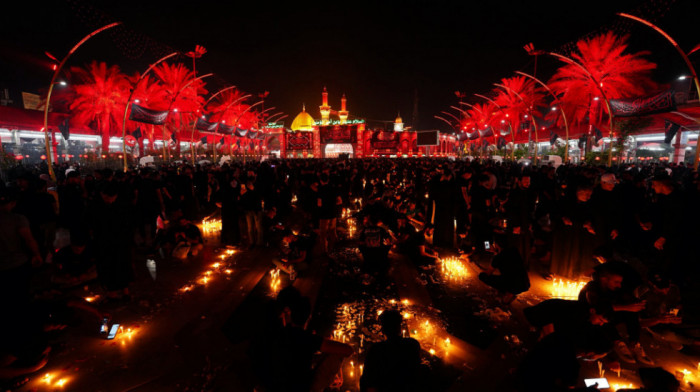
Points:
(275, 281)
(49, 378)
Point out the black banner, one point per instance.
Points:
(204, 125)
(299, 140)
(671, 129)
(148, 116)
(384, 140)
(227, 129)
(338, 134)
(658, 103)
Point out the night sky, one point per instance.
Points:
(380, 54)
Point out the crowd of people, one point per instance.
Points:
(629, 229)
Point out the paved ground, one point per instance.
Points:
(190, 335)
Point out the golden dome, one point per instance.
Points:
(303, 122)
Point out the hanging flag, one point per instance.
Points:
(204, 125)
(173, 137)
(222, 141)
(657, 103)
(227, 129)
(582, 142)
(487, 132)
(501, 142)
(553, 137)
(137, 133)
(148, 116)
(240, 132)
(671, 129)
(65, 130)
(203, 140)
(597, 134)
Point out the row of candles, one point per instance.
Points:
(219, 267)
(125, 335)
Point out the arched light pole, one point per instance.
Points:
(563, 115)
(451, 115)
(595, 82)
(239, 119)
(687, 63)
(270, 117)
(281, 118)
(224, 112)
(172, 102)
(512, 135)
(446, 121)
(534, 121)
(194, 124)
(128, 103)
(53, 81)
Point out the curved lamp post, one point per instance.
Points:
(281, 118)
(446, 121)
(510, 126)
(451, 115)
(239, 119)
(128, 103)
(595, 82)
(566, 123)
(534, 121)
(687, 63)
(224, 112)
(194, 124)
(53, 82)
(172, 102)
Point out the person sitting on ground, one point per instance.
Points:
(75, 263)
(512, 278)
(552, 365)
(294, 345)
(374, 246)
(394, 364)
(420, 253)
(603, 291)
(183, 237)
(292, 256)
(663, 315)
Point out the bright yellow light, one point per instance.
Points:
(228, 271)
(61, 383)
(566, 289)
(453, 270)
(47, 378)
(215, 265)
(210, 226)
(432, 351)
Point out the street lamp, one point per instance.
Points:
(53, 81)
(128, 103)
(687, 63)
(599, 86)
(510, 126)
(534, 122)
(194, 124)
(563, 114)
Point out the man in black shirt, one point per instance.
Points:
(512, 278)
(328, 203)
(394, 364)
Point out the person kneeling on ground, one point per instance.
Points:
(394, 364)
(292, 256)
(512, 278)
(294, 347)
(187, 238)
(604, 290)
(75, 263)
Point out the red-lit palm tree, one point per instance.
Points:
(518, 97)
(183, 93)
(620, 75)
(100, 98)
(151, 94)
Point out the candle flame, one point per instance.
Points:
(566, 289)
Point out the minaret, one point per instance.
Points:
(325, 108)
(398, 124)
(343, 113)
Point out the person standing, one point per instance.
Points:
(328, 202)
